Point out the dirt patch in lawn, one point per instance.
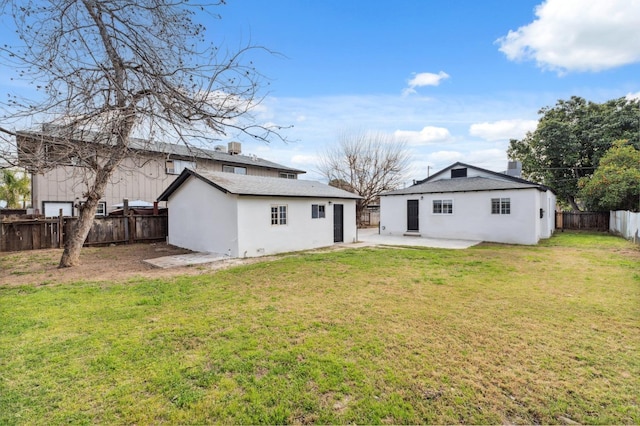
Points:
(114, 263)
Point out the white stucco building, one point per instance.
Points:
(247, 216)
(470, 203)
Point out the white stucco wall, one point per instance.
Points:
(471, 218)
(258, 237)
(548, 223)
(202, 218)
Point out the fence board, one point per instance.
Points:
(586, 221)
(34, 234)
(17, 235)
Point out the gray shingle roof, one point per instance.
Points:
(190, 152)
(464, 185)
(260, 186)
(177, 150)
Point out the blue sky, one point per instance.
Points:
(455, 79)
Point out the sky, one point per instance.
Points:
(454, 79)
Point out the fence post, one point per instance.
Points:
(132, 228)
(60, 229)
(125, 216)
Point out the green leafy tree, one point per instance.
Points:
(14, 189)
(615, 185)
(570, 139)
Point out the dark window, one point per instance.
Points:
(317, 211)
(458, 173)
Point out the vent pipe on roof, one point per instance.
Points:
(234, 148)
(514, 169)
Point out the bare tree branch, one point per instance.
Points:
(106, 70)
(365, 163)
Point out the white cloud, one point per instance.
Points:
(502, 129)
(304, 159)
(428, 135)
(445, 158)
(578, 35)
(633, 96)
(424, 79)
(492, 159)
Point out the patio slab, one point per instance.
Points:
(371, 236)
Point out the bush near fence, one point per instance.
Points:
(34, 234)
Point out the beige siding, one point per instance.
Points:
(135, 180)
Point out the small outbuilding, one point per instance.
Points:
(470, 203)
(247, 216)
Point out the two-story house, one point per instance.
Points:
(59, 176)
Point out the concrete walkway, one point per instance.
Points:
(371, 236)
(366, 238)
(178, 260)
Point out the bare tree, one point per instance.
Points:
(366, 163)
(106, 70)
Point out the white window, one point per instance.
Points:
(234, 169)
(501, 206)
(317, 211)
(279, 215)
(175, 167)
(288, 175)
(442, 206)
(102, 208)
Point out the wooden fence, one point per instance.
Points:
(585, 221)
(34, 234)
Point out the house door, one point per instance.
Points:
(338, 223)
(412, 215)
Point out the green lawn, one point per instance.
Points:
(492, 334)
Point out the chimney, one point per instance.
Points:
(514, 169)
(234, 148)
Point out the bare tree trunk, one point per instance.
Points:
(73, 246)
(77, 236)
(112, 67)
(573, 203)
(359, 210)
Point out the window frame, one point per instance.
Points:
(442, 206)
(279, 214)
(175, 167)
(101, 211)
(287, 175)
(318, 211)
(501, 205)
(234, 169)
